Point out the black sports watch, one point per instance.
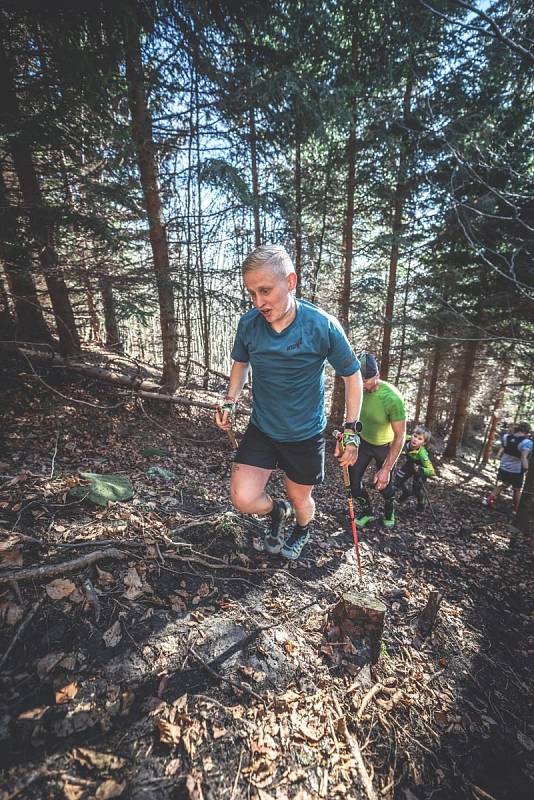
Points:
(353, 426)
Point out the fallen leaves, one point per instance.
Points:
(105, 762)
(60, 588)
(66, 693)
(113, 635)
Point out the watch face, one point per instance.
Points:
(358, 426)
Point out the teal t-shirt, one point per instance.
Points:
(288, 369)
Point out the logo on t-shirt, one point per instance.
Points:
(295, 345)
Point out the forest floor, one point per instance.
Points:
(189, 664)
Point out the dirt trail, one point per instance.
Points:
(203, 668)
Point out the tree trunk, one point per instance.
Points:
(255, 180)
(38, 214)
(146, 159)
(495, 414)
(318, 265)
(298, 217)
(403, 328)
(338, 395)
(7, 323)
(420, 393)
(462, 402)
(396, 230)
(430, 416)
(113, 339)
(30, 325)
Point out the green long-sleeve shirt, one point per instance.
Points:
(419, 456)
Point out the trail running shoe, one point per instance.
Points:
(389, 521)
(364, 520)
(295, 543)
(274, 538)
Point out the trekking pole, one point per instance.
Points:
(429, 503)
(350, 505)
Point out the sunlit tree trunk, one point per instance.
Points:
(298, 216)
(495, 414)
(396, 230)
(146, 159)
(337, 408)
(462, 401)
(113, 339)
(430, 416)
(255, 178)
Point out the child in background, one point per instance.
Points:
(417, 465)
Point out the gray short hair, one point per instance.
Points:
(269, 255)
(422, 431)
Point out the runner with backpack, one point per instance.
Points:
(514, 455)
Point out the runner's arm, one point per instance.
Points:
(525, 452)
(399, 435)
(353, 396)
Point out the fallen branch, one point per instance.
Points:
(356, 754)
(36, 573)
(22, 627)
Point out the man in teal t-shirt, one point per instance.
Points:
(383, 419)
(287, 342)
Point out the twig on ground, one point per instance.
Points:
(367, 699)
(54, 457)
(241, 687)
(22, 627)
(37, 573)
(238, 775)
(355, 751)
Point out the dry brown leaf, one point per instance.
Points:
(108, 789)
(174, 766)
(168, 733)
(102, 761)
(34, 713)
(104, 578)
(113, 635)
(47, 663)
(60, 588)
(72, 791)
(134, 584)
(66, 693)
(69, 662)
(193, 788)
(219, 732)
(13, 613)
(11, 557)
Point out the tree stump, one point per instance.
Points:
(360, 617)
(427, 618)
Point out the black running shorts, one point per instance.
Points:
(302, 462)
(513, 479)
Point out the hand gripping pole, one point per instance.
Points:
(350, 505)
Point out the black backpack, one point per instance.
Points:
(513, 440)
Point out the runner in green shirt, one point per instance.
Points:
(383, 433)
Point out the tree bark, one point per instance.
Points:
(113, 339)
(495, 414)
(338, 395)
(396, 230)
(141, 123)
(39, 217)
(430, 416)
(462, 402)
(255, 179)
(298, 216)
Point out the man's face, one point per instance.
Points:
(271, 294)
(371, 384)
(417, 440)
